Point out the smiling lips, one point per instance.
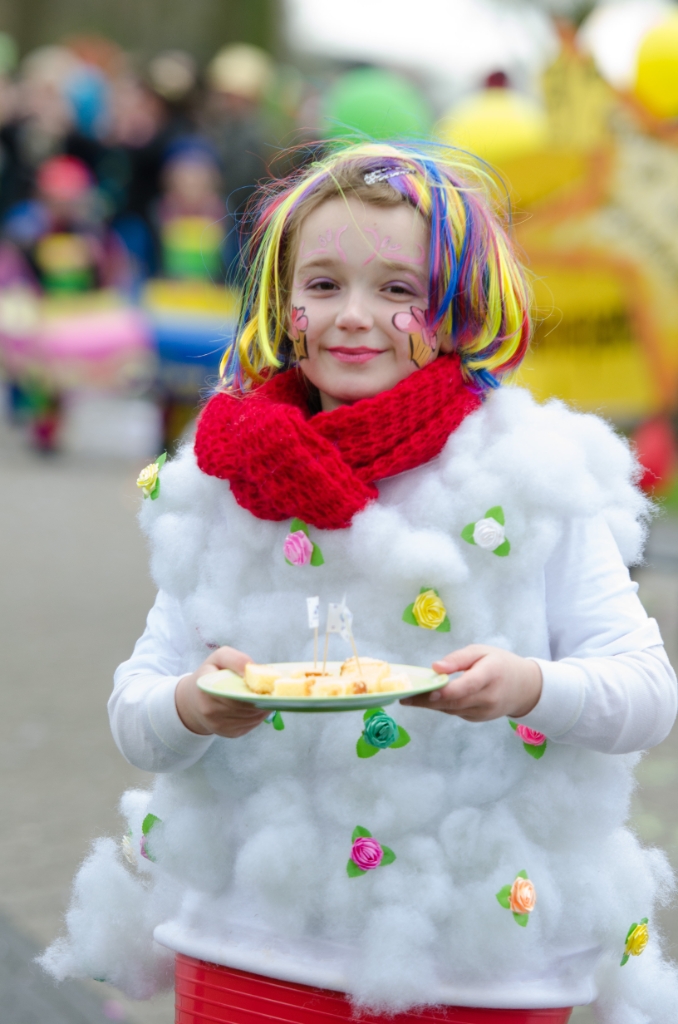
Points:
(354, 355)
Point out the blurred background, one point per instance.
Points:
(131, 137)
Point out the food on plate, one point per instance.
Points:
(260, 678)
(356, 676)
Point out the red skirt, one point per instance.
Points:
(209, 994)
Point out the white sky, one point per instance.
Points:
(456, 42)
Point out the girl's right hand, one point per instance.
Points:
(207, 715)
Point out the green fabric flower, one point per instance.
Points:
(380, 733)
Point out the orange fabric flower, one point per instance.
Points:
(523, 896)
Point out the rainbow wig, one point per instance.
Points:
(477, 291)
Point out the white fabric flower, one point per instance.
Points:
(489, 534)
(128, 850)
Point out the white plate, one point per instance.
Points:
(229, 684)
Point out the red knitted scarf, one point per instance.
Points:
(283, 462)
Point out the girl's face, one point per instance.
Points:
(359, 295)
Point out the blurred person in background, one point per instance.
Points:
(57, 243)
(57, 96)
(61, 235)
(146, 117)
(191, 211)
(237, 123)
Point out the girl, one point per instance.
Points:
(468, 527)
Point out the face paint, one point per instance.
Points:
(423, 341)
(323, 248)
(298, 328)
(385, 248)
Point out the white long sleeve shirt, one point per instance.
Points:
(608, 687)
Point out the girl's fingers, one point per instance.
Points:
(457, 695)
(459, 661)
(226, 657)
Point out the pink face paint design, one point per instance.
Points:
(423, 341)
(387, 249)
(324, 246)
(298, 328)
(337, 243)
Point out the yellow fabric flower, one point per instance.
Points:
(148, 478)
(429, 610)
(637, 940)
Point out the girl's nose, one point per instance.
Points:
(354, 315)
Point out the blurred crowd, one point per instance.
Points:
(113, 175)
(110, 173)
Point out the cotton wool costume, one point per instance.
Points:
(244, 859)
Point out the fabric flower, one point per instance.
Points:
(428, 611)
(380, 732)
(367, 853)
(534, 742)
(146, 826)
(520, 898)
(149, 478)
(489, 533)
(637, 939)
(298, 548)
(531, 736)
(128, 850)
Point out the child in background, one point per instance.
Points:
(469, 528)
(191, 212)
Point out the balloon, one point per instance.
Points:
(656, 84)
(496, 124)
(613, 32)
(375, 103)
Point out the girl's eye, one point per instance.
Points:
(399, 288)
(321, 284)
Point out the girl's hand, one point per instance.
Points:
(494, 683)
(207, 715)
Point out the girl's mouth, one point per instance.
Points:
(354, 355)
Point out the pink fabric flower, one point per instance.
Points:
(366, 853)
(297, 548)
(298, 320)
(414, 322)
(531, 736)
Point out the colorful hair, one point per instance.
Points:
(478, 294)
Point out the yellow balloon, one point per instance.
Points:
(656, 84)
(496, 124)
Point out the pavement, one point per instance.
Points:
(74, 594)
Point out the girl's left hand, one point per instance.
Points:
(494, 683)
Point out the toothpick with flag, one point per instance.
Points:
(340, 620)
(313, 609)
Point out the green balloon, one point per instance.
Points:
(378, 104)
